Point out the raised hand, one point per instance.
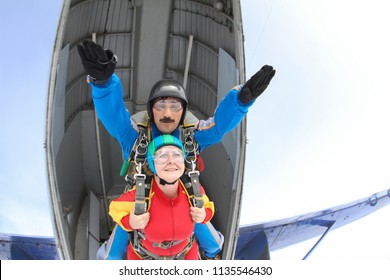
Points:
(98, 63)
(256, 85)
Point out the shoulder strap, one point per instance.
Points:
(132, 168)
(138, 151)
(190, 177)
(190, 120)
(140, 118)
(137, 159)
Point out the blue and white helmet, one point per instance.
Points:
(157, 143)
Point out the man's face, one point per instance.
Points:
(167, 113)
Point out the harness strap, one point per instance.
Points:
(147, 255)
(191, 183)
(190, 180)
(140, 206)
(166, 244)
(138, 151)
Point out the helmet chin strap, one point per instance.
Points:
(163, 182)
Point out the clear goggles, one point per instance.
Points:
(160, 159)
(163, 104)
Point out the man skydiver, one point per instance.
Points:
(167, 106)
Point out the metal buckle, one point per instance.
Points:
(139, 176)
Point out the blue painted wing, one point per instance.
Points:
(19, 247)
(257, 240)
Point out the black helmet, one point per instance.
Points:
(167, 88)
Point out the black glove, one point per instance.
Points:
(256, 84)
(97, 62)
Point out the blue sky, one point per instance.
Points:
(318, 137)
(27, 43)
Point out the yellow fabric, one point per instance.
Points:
(120, 209)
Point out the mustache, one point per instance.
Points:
(167, 120)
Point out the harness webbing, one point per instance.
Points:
(132, 170)
(190, 177)
(147, 255)
(133, 167)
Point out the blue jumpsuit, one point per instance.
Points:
(112, 112)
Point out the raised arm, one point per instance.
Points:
(232, 109)
(107, 93)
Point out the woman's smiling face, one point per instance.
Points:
(169, 163)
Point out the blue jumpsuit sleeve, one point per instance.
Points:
(112, 112)
(228, 115)
(115, 247)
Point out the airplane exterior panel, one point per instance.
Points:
(151, 40)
